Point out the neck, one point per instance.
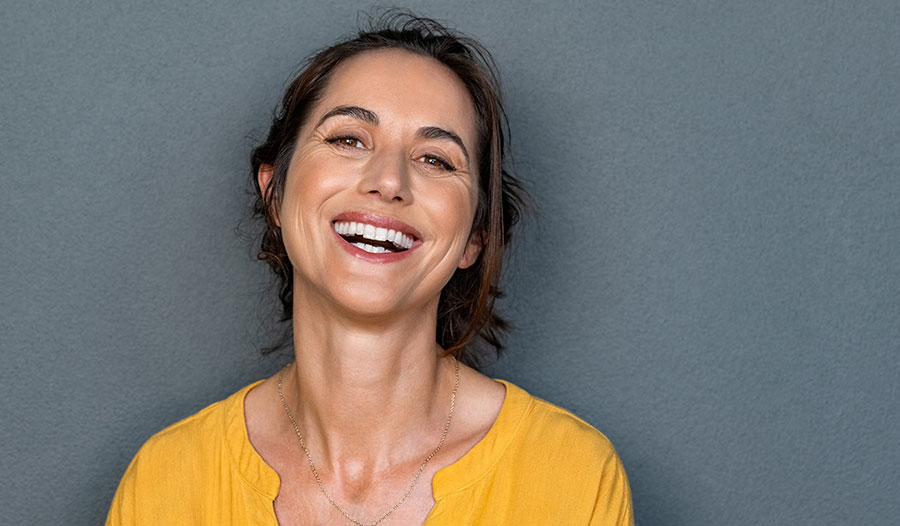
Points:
(367, 391)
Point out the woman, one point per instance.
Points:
(387, 212)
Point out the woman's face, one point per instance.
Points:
(382, 187)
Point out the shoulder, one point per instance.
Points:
(199, 432)
(560, 461)
(559, 431)
(554, 441)
(178, 461)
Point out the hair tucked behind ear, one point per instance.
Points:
(466, 308)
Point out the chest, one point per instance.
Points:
(301, 502)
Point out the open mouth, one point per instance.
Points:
(373, 239)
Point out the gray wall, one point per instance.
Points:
(712, 280)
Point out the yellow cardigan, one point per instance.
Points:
(538, 464)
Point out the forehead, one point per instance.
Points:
(402, 88)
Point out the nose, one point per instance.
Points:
(387, 177)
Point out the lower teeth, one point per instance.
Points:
(369, 248)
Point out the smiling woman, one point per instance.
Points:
(387, 212)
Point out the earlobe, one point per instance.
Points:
(473, 249)
(264, 177)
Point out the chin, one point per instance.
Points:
(370, 301)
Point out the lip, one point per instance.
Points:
(381, 221)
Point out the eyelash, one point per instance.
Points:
(339, 140)
(445, 165)
(430, 159)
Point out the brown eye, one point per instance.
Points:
(437, 162)
(346, 141)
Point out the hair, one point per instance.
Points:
(466, 306)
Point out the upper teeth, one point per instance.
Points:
(349, 228)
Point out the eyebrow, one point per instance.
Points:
(350, 111)
(426, 132)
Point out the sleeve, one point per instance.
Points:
(613, 504)
(122, 511)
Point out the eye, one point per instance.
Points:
(346, 141)
(437, 162)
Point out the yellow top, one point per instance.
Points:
(539, 464)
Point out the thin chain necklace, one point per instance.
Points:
(412, 485)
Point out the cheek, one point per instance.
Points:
(458, 208)
(291, 207)
(310, 182)
(291, 231)
(298, 208)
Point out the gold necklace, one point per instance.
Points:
(412, 485)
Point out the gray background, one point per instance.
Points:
(712, 280)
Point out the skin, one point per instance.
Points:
(368, 389)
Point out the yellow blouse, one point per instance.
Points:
(539, 464)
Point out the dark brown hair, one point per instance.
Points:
(466, 308)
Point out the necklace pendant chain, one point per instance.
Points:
(315, 472)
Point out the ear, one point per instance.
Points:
(473, 249)
(264, 177)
